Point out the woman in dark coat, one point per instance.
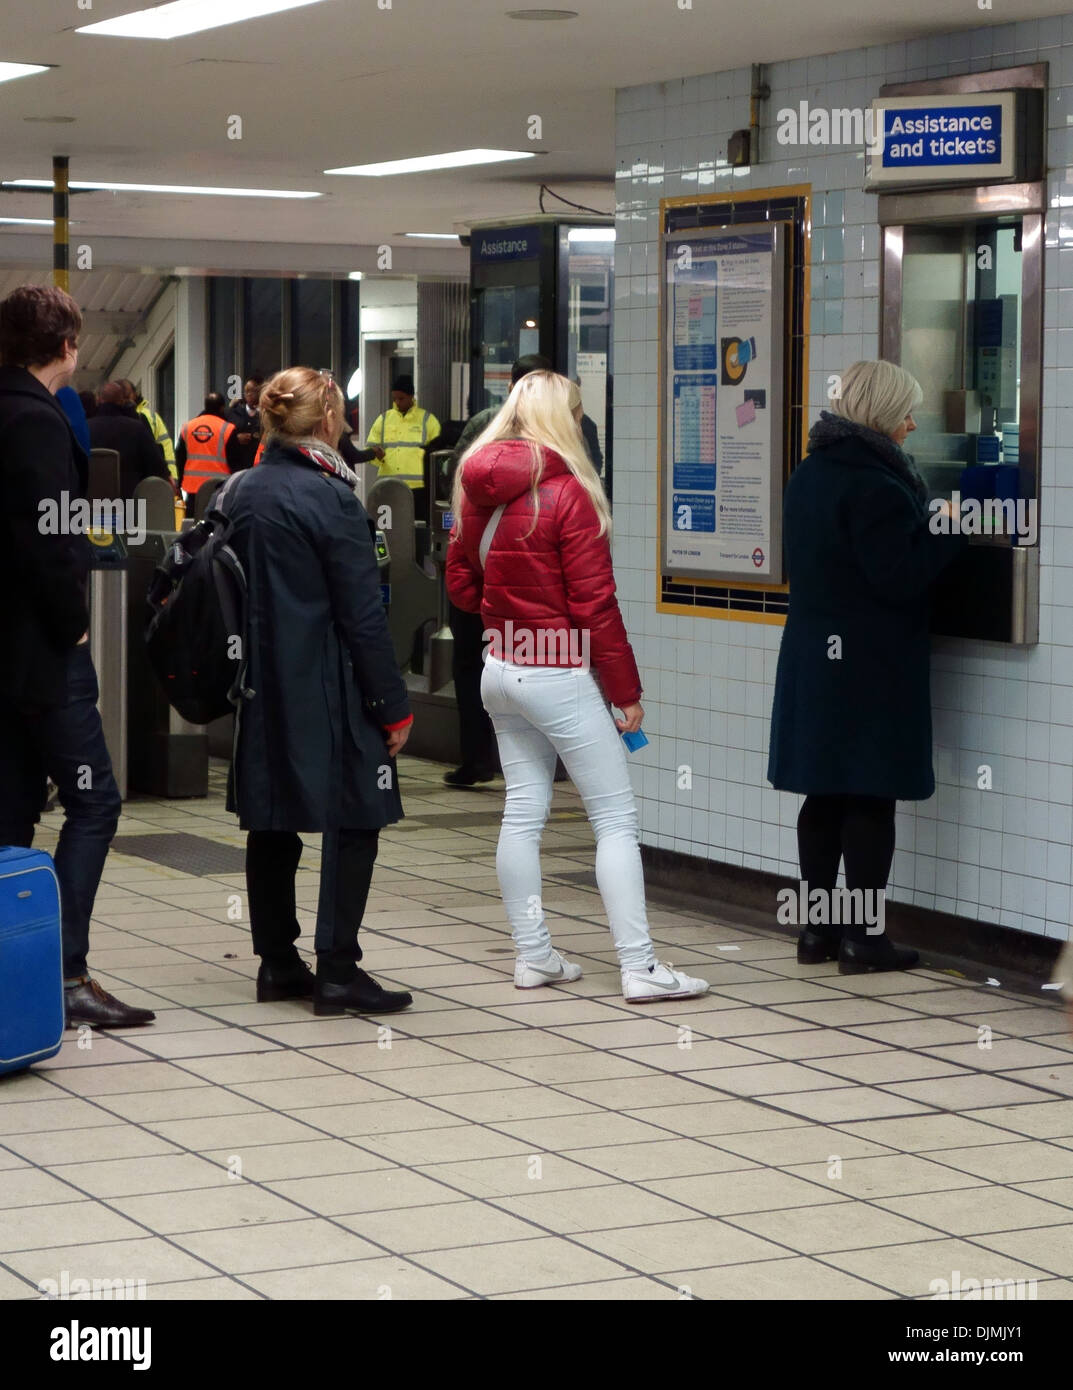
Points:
(316, 742)
(851, 722)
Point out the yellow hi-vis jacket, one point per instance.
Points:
(403, 438)
(160, 434)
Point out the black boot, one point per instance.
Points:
(469, 774)
(88, 1003)
(275, 982)
(362, 995)
(874, 953)
(815, 947)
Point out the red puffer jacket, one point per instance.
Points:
(549, 596)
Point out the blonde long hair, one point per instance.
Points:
(540, 410)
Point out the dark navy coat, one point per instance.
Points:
(854, 716)
(310, 752)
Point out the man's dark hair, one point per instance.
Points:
(531, 362)
(89, 403)
(215, 403)
(36, 323)
(131, 389)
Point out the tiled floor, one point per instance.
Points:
(794, 1135)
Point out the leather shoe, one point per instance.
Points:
(875, 953)
(469, 775)
(815, 947)
(274, 984)
(362, 995)
(88, 1003)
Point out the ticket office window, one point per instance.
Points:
(961, 339)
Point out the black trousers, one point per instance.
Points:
(346, 873)
(857, 830)
(475, 732)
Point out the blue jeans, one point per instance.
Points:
(538, 712)
(68, 745)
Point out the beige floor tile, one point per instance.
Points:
(384, 1277)
(699, 1242)
(801, 1144)
(884, 1176)
(22, 1086)
(860, 1014)
(694, 1054)
(733, 1022)
(1010, 1163)
(377, 1117)
(910, 1270)
(966, 1092)
(776, 1280)
(661, 1158)
(344, 1194)
(629, 1033)
(1044, 1119)
(209, 1042)
(35, 1116)
(926, 1132)
(155, 1261)
(268, 1162)
(286, 1245)
(195, 1102)
(565, 1067)
(236, 1131)
(303, 1093)
(125, 1177)
(840, 1226)
(515, 1265)
(1004, 1055)
(603, 1291)
(508, 1177)
(387, 1053)
(919, 1032)
(37, 1227)
(1049, 1078)
(776, 991)
(86, 1145)
(518, 1103)
(407, 1231)
(255, 1066)
(29, 1187)
(638, 1093)
(767, 1078)
(877, 1068)
(454, 1145)
(444, 1021)
(743, 1190)
(122, 1078)
(845, 1104)
(1037, 1021)
(564, 1132)
(447, 1079)
(594, 1208)
(207, 1209)
(91, 1051)
(717, 1117)
(499, 1047)
(216, 1290)
(973, 1211)
(1059, 1190)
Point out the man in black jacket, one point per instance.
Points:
(49, 723)
(118, 426)
(245, 415)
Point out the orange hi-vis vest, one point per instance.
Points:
(259, 455)
(205, 437)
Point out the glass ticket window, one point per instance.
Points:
(588, 257)
(961, 339)
(961, 308)
(511, 325)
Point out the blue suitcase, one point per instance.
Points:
(31, 960)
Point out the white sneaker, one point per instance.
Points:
(553, 971)
(660, 981)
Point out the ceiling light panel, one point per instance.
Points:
(455, 159)
(184, 17)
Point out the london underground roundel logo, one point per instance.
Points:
(758, 557)
(202, 433)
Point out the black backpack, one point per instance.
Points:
(196, 635)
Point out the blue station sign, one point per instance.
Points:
(942, 139)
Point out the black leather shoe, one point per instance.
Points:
(274, 984)
(469, 776)
(876, 953)
(88, 1003)
(361, 996)
(815, 947)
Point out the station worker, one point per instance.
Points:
(156, 425)
(208, 448)
(400, 435)
(117, 425)
(851, 721)
(245, 415)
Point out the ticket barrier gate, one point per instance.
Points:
(413, 605)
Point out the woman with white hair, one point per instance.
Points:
(530, 552)
(851, 722)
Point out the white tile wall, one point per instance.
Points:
(1001, 855)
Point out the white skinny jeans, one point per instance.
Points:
(538, 712)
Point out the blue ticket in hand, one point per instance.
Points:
(635, 741)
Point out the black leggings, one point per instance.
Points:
(856, 829)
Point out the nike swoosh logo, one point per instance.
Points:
(548, 974)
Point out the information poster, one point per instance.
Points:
(722, 371)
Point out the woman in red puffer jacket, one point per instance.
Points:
(530, 552)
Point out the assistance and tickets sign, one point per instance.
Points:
(722, 463)
(942, 139)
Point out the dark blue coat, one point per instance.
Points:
(861, 559)
(311, 753)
